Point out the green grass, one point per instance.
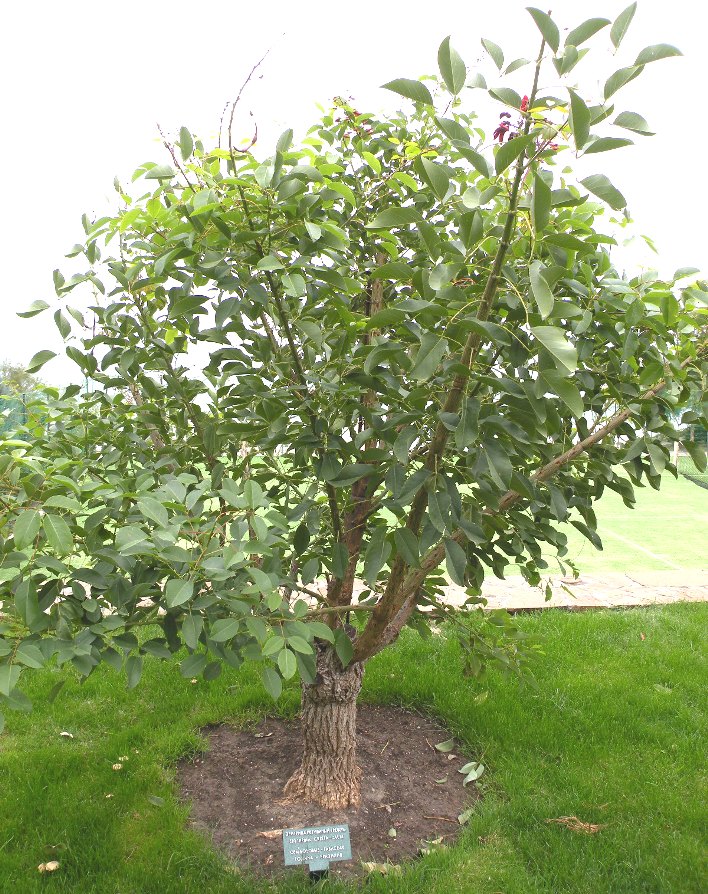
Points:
(615, 734)
(666, 531)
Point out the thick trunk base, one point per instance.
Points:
(329, 775)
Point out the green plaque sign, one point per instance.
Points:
(318, 846)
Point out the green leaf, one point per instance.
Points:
(270, 263)
(634, 122)
(284, 141)
(35, 308)
(224, 629)
(414, 90)
(570, 243)
(30, 655)
(9, 675)
(27, 605)
(287, 663)
(606, 144)
(394, 217)
(669, 309)
(301, 539)
(396, 270)
(129, 538)
(133, 670)
(351, 473)
(38, 361)
(63, 325)
(58, 534)
(540, 203)
(541, 290)
(272, 646)
(177, 592)
(657, 457)
(403, 443)
(509, 152)
(568, 59)
(546, 26)
(160, 172)
(212, 670)
(621, 24)
(554, 341)
(262, 581)
(186, 143)
(446, 746)
(192, 629)
(494, 51)
(579, 120)
(437, 177)
(299, 644)
(154, 510)
(585, 31)
(566, 391)
(431, 351)
(450, 128)
(272, 682)
(27, 526)
(193, 665)
(500, 468)
(506, 95)
(253, 494)
(516, 64)
(619, 78)
(343, 647)
(321, 631)
(452, 68)
(455, 561)
(468, 427)
(658, 51)
(478, 161)
(377, 553)
(698, 455)
(407, 546)
(599, 185)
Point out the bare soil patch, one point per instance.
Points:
(236, 790)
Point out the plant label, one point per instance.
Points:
(318, 846)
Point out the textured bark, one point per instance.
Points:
(329, 775)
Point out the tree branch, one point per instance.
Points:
(392, 601)
(435, 555)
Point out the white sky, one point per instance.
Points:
(85, 84)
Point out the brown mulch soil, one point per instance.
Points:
(235, 790)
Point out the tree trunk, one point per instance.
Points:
(329, 775)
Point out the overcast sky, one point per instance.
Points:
(86, 83)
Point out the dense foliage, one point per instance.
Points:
(398, 352)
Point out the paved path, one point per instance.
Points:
(594, 591)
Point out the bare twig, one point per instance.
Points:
(232, 152)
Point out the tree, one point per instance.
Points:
(22, 403)
(16, 380)
(411, 349)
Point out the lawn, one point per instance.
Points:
(614, 734)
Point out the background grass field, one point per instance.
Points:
(666, 531)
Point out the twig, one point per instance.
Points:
(233, 110)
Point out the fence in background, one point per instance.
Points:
(13, 412)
